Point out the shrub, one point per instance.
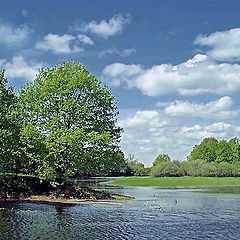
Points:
(236, 169)
(193, 168)
(208, 170)
(165, 169)
(224, 169)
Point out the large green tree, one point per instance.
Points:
(70, 122)
(11, 153)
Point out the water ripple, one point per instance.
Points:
(161, 214)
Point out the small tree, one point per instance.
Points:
(161, 158)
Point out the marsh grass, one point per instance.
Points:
(177, 181)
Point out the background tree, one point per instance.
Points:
(234, 146)
(136, 168)
(165, 169)
(161, 158)
(117, 164)
(206, 150)
(223, 152)
(73, 116)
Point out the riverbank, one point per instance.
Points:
(177, 181)
(93, 197)
(64, 201)
(25, 186)
(70, 192)
(33, 189)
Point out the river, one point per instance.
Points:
(154, 214)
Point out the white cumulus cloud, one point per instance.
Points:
(162, 104)
(143, 119)
(14, 36)
(20, 68)
(85, 39)
(224, 45)
(119, 73)
(219, 109)
(106, 28)
(124, 53)
(60, 43)
(195, 76)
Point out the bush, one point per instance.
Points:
(236, 169)
(208, 170)
(165, 169)
(198, 168)
(147, 171)
(225, 169)
(193, 168)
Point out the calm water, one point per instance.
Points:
(154, 214)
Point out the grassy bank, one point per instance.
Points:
(176, 181)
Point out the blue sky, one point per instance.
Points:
(174, 66)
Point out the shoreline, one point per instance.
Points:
(71, 201)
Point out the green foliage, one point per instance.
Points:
(208, 170)
(161, 158)
(199, 168)
(136, 168)
(62, 123)
(165, 169)
(210, 150)
(223, 152)
(11, 148)
(113, 163)
(205, 151)
(236, 169)
(22, 186)
(69, 122)
(224, 169)
(234, 146)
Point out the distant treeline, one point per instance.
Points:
(211, 158)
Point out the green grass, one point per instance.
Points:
(176, 181)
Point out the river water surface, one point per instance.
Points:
(154, 214)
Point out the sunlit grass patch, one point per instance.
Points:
(176, 181)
